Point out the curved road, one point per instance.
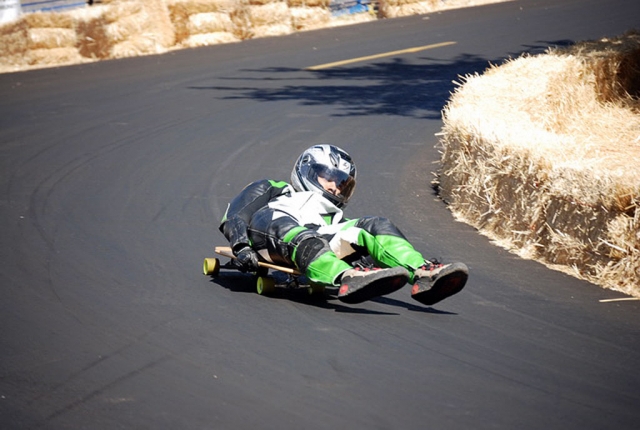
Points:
(115, 174)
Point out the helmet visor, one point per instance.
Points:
(343, 181)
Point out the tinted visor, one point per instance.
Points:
(344, 182)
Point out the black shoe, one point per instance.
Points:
(359, 285)
(436, 282)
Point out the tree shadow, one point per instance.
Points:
(419, 88)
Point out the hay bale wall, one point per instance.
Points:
(124, 28)
(39, 39)
(543, 155)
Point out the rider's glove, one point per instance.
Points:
(247, 259)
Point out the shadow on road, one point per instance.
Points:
(395, 86)
(245, 283)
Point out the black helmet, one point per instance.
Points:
(330, 163)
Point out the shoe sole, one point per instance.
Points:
(446, 286)
(377, 288)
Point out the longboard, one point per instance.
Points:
(265, 283)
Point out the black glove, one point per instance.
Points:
(247, 259)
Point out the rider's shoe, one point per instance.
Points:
(436, 282)
(359, 285)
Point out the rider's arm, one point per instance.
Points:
(239, 212)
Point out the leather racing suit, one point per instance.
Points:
(305, 230)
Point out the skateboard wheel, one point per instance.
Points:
(315, 289)
(211, 266)
(265, 285)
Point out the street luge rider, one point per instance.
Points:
(302, 225)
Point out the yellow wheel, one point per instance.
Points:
(315, 289)
(265, 285)
(211, 266)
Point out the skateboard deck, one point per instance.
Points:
(265, 282)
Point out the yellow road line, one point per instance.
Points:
(385, 54)
(619, 300)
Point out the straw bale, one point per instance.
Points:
(136, 46)
(53, 57)
(181, 12)
(14, 39)
(309, 18)
(48, 20)
(93, 41)
(616, 66)
(145, 25)
(159, 23)
(209, 39)
(309, 3)
(270, 14)
(190, 7)
(121, 9)
(210, 22)
(272, 30)
(537, 158)
(127, 27)
(87, 13)
(260, 2)
(48, 38)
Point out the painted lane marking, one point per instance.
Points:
(619, 300)
(376, 56)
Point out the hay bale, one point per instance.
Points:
(127, 27)
(190, 7)
(275, 14)
(543, 155)
(145, 26)
(14, 44)
(207, 39)
(120, 9)
(181, 11)
(272, 30)
(260, 2)
(210, 22)
(135, 46)
(39, 39)
(54, 56)
(309, 3)
(93, 41)
(48, 20)
(309, 18)
(14, 39)
(50, 38)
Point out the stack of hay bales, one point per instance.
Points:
(205, 22)
(126, 28)
(208, 22)
(268, 18)
(39, 39)
(543, 155)
(309, 14)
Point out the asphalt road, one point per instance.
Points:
(114, 177)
